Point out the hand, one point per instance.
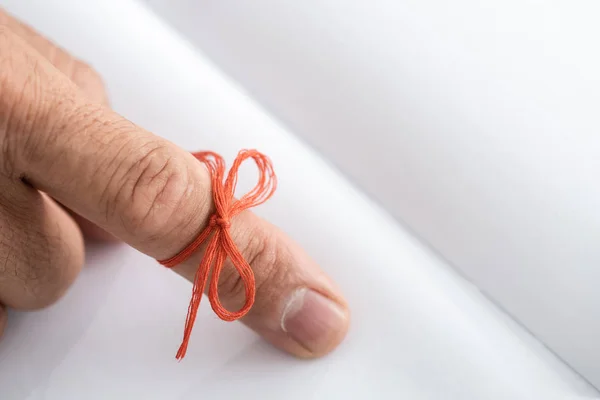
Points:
(70, 164)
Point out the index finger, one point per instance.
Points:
(156, 197)
(127, 180)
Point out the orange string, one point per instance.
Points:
(221, 244)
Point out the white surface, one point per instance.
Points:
(419, 331)
(475, 122)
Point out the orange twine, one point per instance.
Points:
(221, 245)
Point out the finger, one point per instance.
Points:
(134, 184)
(92, 231)
(85, 77)
(156, 197)
(297, 307)
(41, 248)
(3, 318)
(88, 80)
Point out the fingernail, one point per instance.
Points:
(314, 321)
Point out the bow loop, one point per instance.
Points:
(221, 245)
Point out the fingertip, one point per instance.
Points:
(314, 323)
(298, 308)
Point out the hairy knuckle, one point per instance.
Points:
(88, 80)
(152, 193)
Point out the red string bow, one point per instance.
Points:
(221, 245)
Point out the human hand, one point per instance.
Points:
(69, 164)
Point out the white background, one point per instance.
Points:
(419, 331)
(475, 122)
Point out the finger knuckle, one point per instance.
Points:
(88, 80)
(151, 196)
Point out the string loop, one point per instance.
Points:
(220, 245)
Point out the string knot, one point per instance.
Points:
(221, 245)
(215, 220)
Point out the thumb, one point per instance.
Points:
(157, 198)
